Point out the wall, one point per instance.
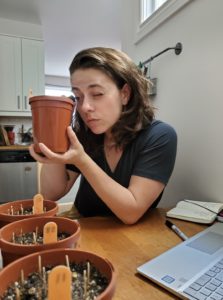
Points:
(189, 93)
(21, 29)
(57, 81)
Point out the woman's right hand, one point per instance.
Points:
(74, 155)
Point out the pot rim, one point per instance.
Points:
(110, 289)
(51, 98)
(24, 201)
(8, 246)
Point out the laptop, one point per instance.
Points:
(193, 269)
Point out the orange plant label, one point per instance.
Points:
(59, 283)
(38, 204)
(50, 233)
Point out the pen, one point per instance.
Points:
(176, 230)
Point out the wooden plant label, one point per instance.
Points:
(30, 93)
(50, 233)
(38, 204)
(59, 283)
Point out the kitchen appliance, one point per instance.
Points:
(18, 173)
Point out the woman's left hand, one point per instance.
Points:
(74, 155)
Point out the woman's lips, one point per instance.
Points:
(92, 122)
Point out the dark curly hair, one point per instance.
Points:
(138, 112)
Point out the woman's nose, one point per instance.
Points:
(87, 105)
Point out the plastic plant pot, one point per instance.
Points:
(51, 116)
(12, 251)
(51, 208)
(30, 264)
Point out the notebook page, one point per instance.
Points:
(215, 207)
(187, 211)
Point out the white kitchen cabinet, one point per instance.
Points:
(18, 173)
(21, 69)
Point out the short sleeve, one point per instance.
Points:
(157, 153)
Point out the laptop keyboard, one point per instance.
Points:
(209, 286)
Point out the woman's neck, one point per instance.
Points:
(109, 140)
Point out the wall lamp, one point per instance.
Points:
(177, 49)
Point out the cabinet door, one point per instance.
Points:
(18, 181)
(32, 69)
(10, 74)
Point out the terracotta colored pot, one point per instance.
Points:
(12, 251)
(5, 218)
(29, 264)
(50, 118)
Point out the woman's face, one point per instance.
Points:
(99, 101)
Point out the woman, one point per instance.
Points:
(125, 156)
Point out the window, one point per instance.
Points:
(53, 90)
(148, 7)
(152, 13)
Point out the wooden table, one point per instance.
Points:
(127, 247)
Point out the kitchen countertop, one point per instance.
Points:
(15, 147)
(15, 153)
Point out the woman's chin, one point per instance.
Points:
(97, 129)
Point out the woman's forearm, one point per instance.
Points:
(53, 181)
(118, 198)
(128, 204)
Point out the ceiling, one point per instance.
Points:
(68, 26)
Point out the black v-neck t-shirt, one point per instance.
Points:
(151, 155)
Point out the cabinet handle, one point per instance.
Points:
(27, 169)
(25, 100)
(18, 101)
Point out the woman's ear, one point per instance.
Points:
(125, 93)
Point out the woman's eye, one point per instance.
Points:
(98, 95)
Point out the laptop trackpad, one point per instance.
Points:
(209, 243)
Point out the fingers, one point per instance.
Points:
(70, 132)
(46, 151)
(72, 136)
(52, 157)
(48, 154)
(36, 156)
